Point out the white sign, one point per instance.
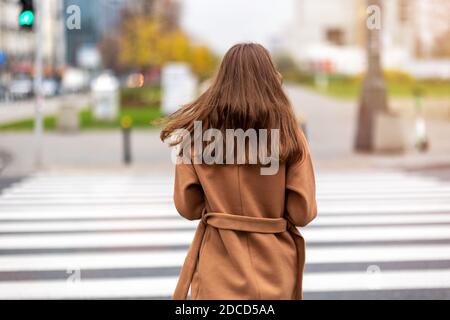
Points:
(179, 86)
(105, 91)
(89, 57)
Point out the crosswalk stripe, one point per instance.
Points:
(324, 208)
(96, 240)
(91, 261)
(114, 186)
(156, 287)
(99, 225)
(158, 238)
(378, 233)
(382, 218)
(378, 280)
(167, 196)
(330, 187)
(368, 208)
(158, 223)
(395, 223)
(175, 258)
(111, 288)
(168, 200)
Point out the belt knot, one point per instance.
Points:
(226, 221)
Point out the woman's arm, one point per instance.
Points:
(301, 204)
(188, 194)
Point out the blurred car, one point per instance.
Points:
(50, 87)
(21, 87)
(75, 80)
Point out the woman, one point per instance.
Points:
(246, 245)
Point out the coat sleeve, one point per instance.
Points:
(188, 193)
(301, 204)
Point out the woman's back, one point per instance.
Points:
(247, 245)
(242, 190)
(246, 265)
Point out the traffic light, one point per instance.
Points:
(26, 16)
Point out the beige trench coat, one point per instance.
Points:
(246, 245)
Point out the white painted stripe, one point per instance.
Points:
(103, 260)
(110, 288)
(139, 191)
(96, 240)
(93, 182)
(105, 211)
(154, 287)
(321, 184)
(83, 201)
(385, 280)
(156, 206)
(87, 213)
(145, 196)
(86, 191)
(144, 224)
(91, 261)
(97, 225)
(399, 201)
(381, 219)
(341, 175)
(166, 179)
(351, 208)
(377, 233)
(134, 192)
(157, 238)
(378, 254)
(168, 200)
(385, 196)
(327, 208)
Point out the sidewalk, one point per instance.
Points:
(94, 149)
(24, 109)
(331, 126)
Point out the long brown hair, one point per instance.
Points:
(246, 93)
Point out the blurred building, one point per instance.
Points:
(333, 31)
(102, 18)
(53, 34)
(91, 27)
(19, 46)
(16, 45)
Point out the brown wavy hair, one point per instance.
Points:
(246, 93)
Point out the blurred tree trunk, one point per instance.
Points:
(373, 97)
(109, 49)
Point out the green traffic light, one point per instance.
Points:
(26, 18)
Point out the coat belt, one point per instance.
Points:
(238, 223)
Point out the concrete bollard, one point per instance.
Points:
(421, 137)
(126, 123)
(391, 133)
(68, 117)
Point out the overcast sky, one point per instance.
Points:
(222, 23)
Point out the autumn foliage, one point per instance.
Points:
(144, 42)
